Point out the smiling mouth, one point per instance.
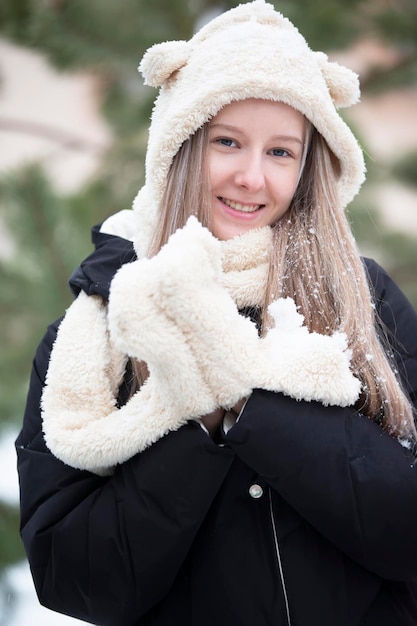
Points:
(244, 208)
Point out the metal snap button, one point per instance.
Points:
(256, 491)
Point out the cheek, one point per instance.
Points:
(293, 185)
(216, 171)
(285, 186)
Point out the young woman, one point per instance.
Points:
(220, 430)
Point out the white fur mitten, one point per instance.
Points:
(172, 312)
(304, 365)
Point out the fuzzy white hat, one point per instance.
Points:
(251, 51)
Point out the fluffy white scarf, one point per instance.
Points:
(178, 312)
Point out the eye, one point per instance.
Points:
(280, 152)
(225, 141)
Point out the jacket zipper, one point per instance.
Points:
(278, 555)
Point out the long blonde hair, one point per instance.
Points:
(315, 261)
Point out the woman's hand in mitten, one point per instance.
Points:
(183, 288)
(304, 365)
(142, 325)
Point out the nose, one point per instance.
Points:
(250, 172)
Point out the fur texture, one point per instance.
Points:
(177, 312)
(250, 51)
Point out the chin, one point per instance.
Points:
(228, 231)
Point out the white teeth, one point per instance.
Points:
(245, 208)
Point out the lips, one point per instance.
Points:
(243, 208)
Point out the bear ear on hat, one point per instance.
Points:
(343, 83)
(162, 60)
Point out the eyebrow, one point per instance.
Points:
(280, 137)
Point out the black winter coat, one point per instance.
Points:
(301, 515)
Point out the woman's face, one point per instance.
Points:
(254, 159)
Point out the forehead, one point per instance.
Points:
(256, 113)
